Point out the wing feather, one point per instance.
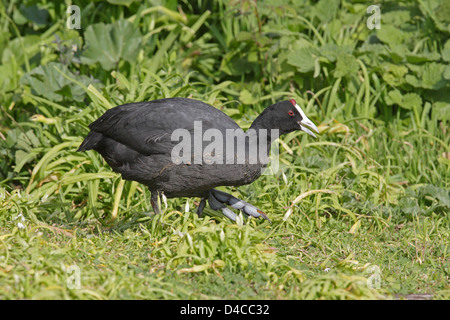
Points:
(147, 127)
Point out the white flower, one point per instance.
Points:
(20, 224)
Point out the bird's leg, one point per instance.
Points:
(236, 203)
(154, 202)
(217, 205)
(201, 206)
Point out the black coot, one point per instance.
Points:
(185, 148)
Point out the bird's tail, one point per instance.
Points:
(91, 141)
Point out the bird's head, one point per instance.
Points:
(288, 116)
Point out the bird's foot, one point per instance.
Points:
(219, 199)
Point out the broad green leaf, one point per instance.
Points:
(392, 35)
(16, 47)
(408, 101)
(411, 100)
(398, 53)
(326, 9)
(446, 51)
(394, 97)
(9, 75)
(23, 157)
(440, 194)
(303, 59)
(27, 141)
(234, 63)
(346, 65)
(35, 14)
(46, 81)
(422, 57)
(332, 51)
(443, 16)
(394, 74)
(110, 43)
(246, 97)
(396, 18)
(441, 111)
(429, 76)
(375, 48)
(244, 36)
(409, 206)
(446, 73)
(439, 12)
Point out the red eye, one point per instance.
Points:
(291, 113)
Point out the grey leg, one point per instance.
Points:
(217, 205)
(154, 201)
(247, 208)
(201, 206)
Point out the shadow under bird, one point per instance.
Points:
(139, 140)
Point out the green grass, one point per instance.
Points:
(367, 200)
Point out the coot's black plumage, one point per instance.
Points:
(137, 140)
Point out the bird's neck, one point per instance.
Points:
(264, 128)
(265, 134)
